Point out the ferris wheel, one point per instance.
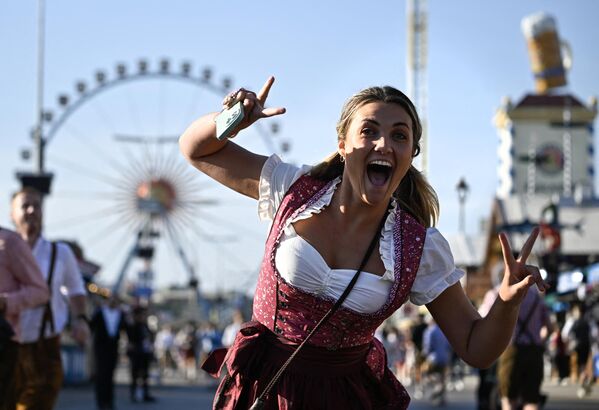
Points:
(124, 192)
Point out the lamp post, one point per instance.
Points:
(462, 188)
(38, 178)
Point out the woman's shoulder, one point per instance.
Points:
(276, 179)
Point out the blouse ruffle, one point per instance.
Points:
(437, 269)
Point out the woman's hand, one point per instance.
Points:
(519, 276)
(253, 104)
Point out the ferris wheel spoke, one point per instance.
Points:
(176, 167)
(176, 243)
(119, 247)
(101, 113)
(87, 218)
(192, 112)
(95, 195)
(85, 171)
(94, 148)
(195, 187)
(204, 272)
(189, 203)
(149, 160)
(164, 158)
(209, 240)
(173, 158)
(172, 256)
(161, 107)
(192, 202)
(205, 236)
(134, 114)
(213, 219)
(138, 167)
(231, 256)
(126, 222)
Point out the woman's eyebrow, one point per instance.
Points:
(397, 124)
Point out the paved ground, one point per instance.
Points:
(175, 393)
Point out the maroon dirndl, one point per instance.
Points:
(343, 366)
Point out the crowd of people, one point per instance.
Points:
(180, 350)
(559, 347)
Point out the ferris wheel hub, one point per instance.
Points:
(156, 196)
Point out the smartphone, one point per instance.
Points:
(227, 120)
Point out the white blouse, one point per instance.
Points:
(300, 264)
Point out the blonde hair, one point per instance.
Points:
(414, 194)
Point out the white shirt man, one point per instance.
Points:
(39, 372)
(66, 282)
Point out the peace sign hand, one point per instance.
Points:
(519, 276)
(253, 104)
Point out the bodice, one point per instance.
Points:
(291, 313)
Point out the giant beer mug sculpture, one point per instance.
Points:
(549, 57)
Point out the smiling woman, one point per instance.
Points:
(385, 119)
(322, 290)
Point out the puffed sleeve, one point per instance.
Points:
(275, 179)
(437, 269)
(73, 281)
(33, 290)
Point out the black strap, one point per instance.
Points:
(259, 403)
(523, 325)
(48, 317)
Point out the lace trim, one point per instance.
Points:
(386, 245)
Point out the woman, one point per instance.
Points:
(323, 221)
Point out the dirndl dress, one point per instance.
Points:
(343, 366)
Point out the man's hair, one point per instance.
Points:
(26, 190)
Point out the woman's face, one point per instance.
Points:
(378, 150)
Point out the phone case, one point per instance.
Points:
(227, 120)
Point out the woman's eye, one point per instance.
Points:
(399, 136)
(368, 132)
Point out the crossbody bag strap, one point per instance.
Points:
(259, 403)
(48, 317)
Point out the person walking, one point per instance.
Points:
(417, 334)
(106, 325)
(438, 353)
(320, 263)
(141, 352)
(22, 286)
(520, 367)
(164, 346)
(39, 372)
(577, 333)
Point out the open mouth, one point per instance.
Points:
(379, 172)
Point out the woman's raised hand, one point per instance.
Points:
(253, 104)
(519, 276)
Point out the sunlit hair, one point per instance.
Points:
(414, 194)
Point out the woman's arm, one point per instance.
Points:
(479, 341)
(224, 161)
(32, 290)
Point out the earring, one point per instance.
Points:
(341, 158)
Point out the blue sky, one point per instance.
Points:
(320, 52)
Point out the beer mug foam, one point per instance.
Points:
(544, 50)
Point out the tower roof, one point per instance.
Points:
(546, 107)
(547, 100)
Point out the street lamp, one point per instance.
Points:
(462, 188)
